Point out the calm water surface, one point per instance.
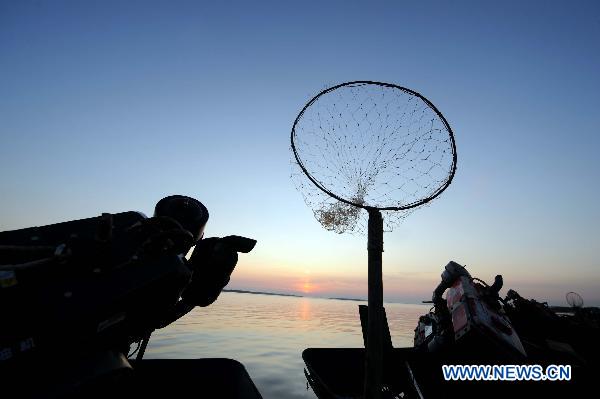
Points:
(268, 334)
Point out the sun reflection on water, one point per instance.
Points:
(305, 309)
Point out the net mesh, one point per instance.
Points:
(373, 145)
(574, 299)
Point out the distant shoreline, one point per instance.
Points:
(292, 295)
(349, 299)
(262, 293)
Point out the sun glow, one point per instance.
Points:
(307, 287)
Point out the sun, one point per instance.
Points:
(307, 287)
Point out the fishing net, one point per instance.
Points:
(370, 145)
(574, 299)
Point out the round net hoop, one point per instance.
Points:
(574, 299)
(371, 145)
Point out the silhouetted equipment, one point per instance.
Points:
(214, 260)
(376, 147)
(468, 319)
(188, 212)
(570, 337)
(76, 295)
(363, 311)
(470, 325)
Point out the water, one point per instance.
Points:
(268, 334)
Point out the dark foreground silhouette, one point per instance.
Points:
(78, 296)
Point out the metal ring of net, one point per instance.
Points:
(574, 299)
(370, 145)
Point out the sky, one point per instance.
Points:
(110, 106)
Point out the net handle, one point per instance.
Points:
(374, 348)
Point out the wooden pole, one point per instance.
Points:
(374, 350)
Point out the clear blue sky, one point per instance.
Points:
(108, 106)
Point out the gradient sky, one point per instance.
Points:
(109, 106)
